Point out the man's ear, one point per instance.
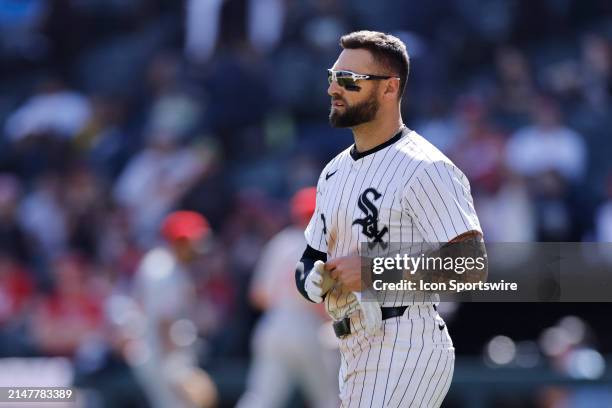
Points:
(391, 88)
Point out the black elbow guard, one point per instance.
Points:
(304, 266)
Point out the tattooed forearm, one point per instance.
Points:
(464, 259)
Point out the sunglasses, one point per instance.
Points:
(348, 80)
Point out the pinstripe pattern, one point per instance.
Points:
(416, 196)
(410, 364)
(422, 196)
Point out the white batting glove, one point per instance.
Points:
(372, 314)
(318, 282)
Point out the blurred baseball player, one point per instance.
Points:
(166, 363)
(287, 350)
(391, 186)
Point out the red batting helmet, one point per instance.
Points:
(188, 225)
(303, 204)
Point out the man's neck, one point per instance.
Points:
(371, 134)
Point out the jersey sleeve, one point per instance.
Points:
(316, 231)
(439, 200)
(266, 270)
(157, 277)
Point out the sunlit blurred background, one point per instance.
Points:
(114, 113)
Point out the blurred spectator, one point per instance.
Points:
(13, 239)
(155, 179)
(173, 115)
(16, 290)
(44, 217)
(174, 111)
(71, 314)
(479, 149)
(588, 80)
(508, 214)
(202, 28)
(163, 74)
(254, 219)
(257, 218)
(117, 247)
(440, 127)
(56, 110)
(40, 133)
(515, 87)
(234, 114)
(16, 295)
(103, 141)
(215, 294)
(596, 72)
(266, 20)
(212, 183)
(548, 145)
(551, 197)
(84, 201)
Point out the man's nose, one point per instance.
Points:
(334, 89)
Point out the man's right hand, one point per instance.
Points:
(318, 282)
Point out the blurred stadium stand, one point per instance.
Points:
(113, 113)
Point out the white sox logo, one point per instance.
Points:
(369, 224)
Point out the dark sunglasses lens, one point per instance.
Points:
(344, 81)
(349, 84)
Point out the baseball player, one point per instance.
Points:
(167, 367)
(391, 186)
(287, 350)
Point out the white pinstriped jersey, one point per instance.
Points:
(403, 191)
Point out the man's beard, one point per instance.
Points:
(354, 115)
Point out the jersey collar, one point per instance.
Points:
(358, 155)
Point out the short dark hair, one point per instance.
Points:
(386, 49)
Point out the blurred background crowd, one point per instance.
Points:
(114, 113)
